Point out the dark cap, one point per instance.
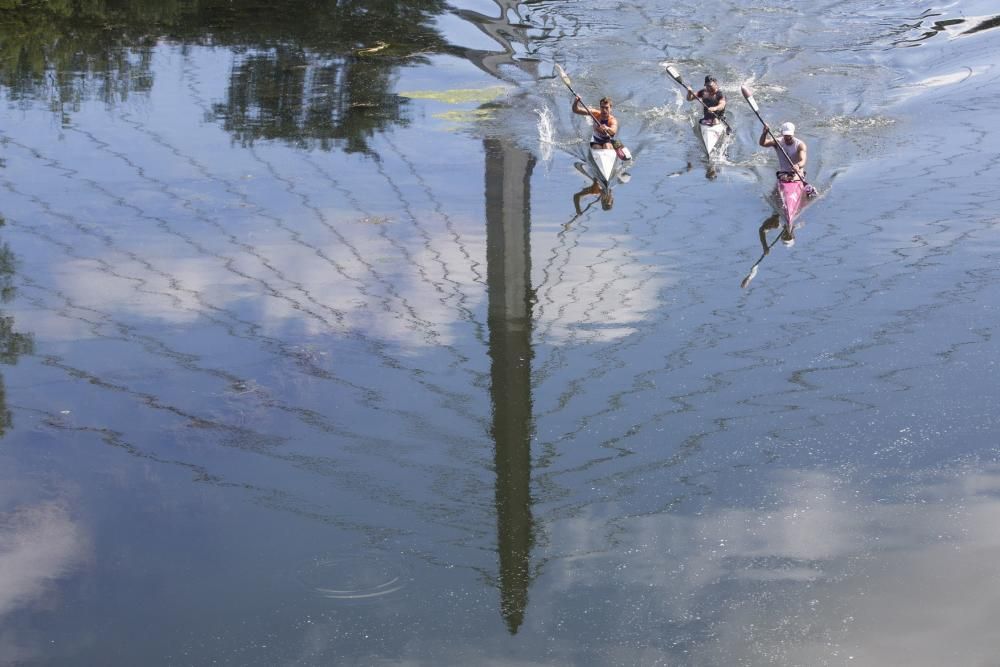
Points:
(710, 79)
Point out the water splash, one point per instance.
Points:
(546, 132)
(763, 89)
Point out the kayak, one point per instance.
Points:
(792, 195)
(711, 136)
(605, 159)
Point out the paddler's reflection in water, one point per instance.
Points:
(607, 199)
(787, 233)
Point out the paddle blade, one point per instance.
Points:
(674, 74)
(749, 98)
(746, 281)
(562, 75)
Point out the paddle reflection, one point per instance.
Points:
(786, 235)
(508, 253)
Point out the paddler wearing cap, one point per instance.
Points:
(714, 101)
(791, 151)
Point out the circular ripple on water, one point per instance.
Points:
(353, 577)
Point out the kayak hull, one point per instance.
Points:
(606, 160)
(711, 136)
(792, 195)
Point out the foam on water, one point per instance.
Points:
(855, 123)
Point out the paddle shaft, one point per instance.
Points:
(680, 82)
(776, 141)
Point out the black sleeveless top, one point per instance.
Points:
(711, 101)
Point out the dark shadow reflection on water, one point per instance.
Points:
(508, 222)
(987, 24)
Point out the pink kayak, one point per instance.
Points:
(792, 194)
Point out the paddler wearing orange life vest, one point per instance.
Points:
(790, 144)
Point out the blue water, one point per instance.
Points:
(310, 358)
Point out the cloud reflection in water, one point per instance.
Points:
(815, 572)
(39, 545)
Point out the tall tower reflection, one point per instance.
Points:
(508, 218)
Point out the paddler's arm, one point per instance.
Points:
(612, 126)
(803, 156)
(720, 107)
(578, 108)
(765, 138)
(692, 96)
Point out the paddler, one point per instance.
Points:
(714, 101)
(605, 124)
(791, 151)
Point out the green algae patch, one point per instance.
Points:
(458, 95)
(468, 116)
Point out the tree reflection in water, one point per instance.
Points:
(310, 72)
(12, 343)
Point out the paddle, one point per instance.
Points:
(810, 190)
(753, 269)
(676, 76)
(619, 148)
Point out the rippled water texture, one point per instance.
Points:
(322, 347)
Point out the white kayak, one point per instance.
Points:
(711, 136)
(605, 159)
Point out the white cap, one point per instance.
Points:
(788, 129)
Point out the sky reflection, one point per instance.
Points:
(40, 545)
(814, 573)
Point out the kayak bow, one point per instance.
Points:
(711, 136)
(791, 194)
(605, 159)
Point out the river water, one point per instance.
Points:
(320, 347)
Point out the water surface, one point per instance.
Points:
(320, 349)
